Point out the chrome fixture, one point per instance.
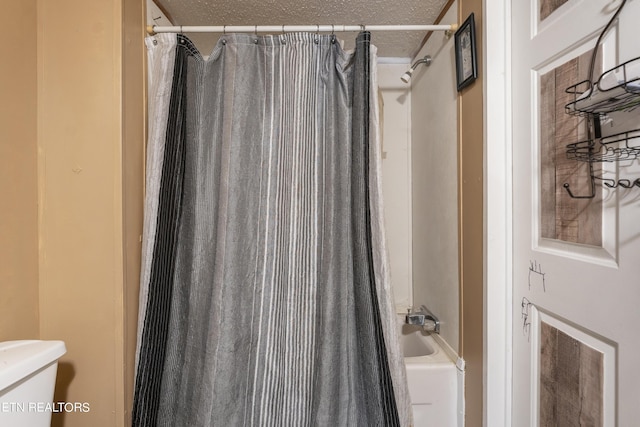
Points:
(423, 317)
(407, 76)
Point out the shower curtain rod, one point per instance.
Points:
(294, 28)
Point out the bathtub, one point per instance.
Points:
(433, 377)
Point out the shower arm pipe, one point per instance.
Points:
(151, 29)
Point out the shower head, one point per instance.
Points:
(406, 77)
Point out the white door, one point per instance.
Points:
(576, 262)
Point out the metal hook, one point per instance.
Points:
(224, 30)
(283, 29)
(317, 29)
(362, 27)
(591, 194)
(255, 30)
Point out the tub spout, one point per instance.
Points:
(414, 318)
(423, 317)
(431, 324)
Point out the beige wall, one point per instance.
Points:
(70, 242)
(471, 226)
(134, 136)
(90, 182)
(18, 173)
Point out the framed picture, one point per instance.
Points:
(465, 45)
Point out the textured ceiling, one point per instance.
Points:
(307, 12)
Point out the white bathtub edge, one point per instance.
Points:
(450, 352)
(461, 402)
(460, 364)
(439, 356)
(443, 357)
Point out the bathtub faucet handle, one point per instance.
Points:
(434, 322)
(414, 317)
(423, 317)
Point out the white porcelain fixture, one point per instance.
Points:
(27, 380)
(432, 378)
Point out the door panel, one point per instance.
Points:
(576, 263)
(560, 221)
(573, 374)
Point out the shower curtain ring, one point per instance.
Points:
(255, 30)
(224, 30)
(362, 27)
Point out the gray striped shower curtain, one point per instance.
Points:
(265, 294)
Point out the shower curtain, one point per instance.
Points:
(265, 294)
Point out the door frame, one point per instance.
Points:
(498, 178)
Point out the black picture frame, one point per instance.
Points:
(465, 50)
